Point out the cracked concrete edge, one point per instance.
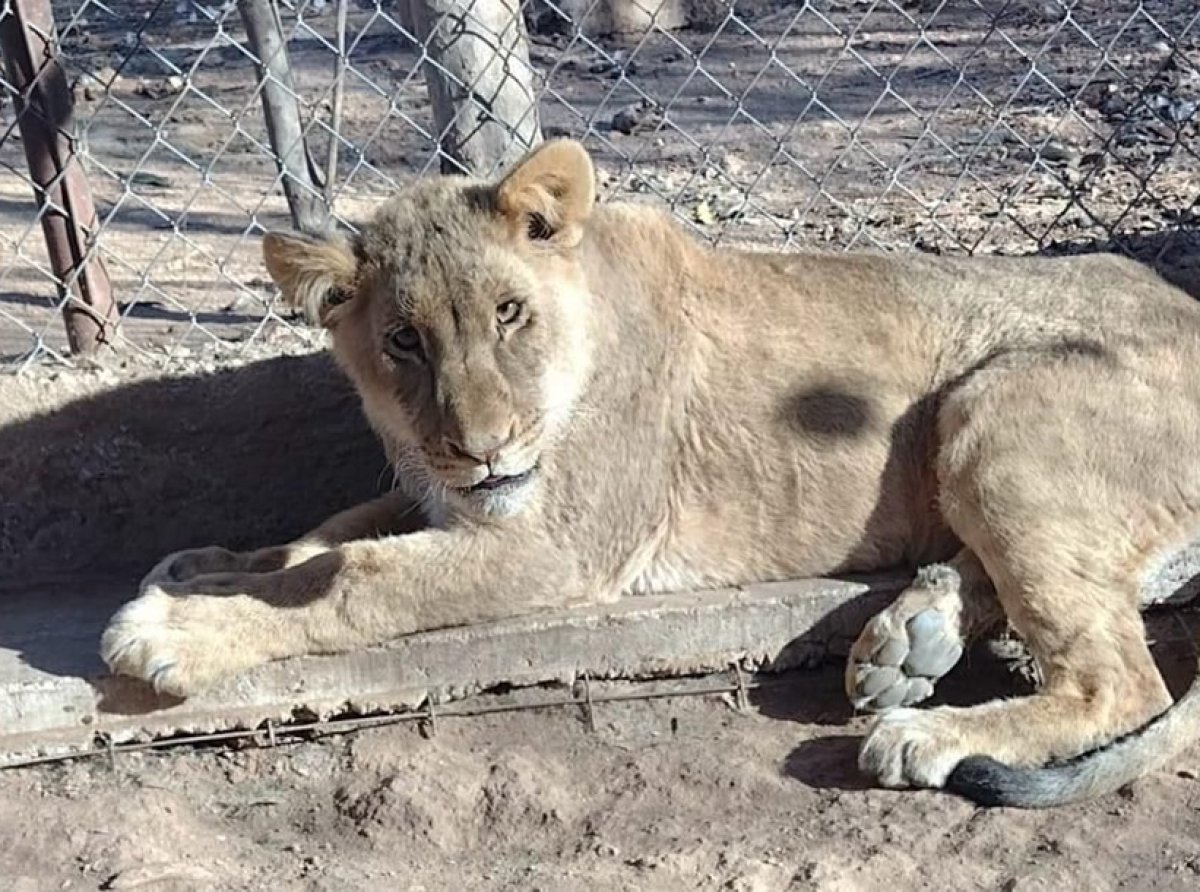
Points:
(766, 627)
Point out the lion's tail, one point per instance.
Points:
(1089, 774)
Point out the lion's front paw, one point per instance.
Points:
(180, 566)
(179, 644)
(912, 748)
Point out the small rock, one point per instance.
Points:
(643, 115)
(146, 178)
(733, 165)
(1050, 11)
(1057, 152)
(159, 87)
(1114, 104)
(1180, 111)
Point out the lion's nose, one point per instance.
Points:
(482, 447)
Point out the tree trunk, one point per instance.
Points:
(480, 82)
(281, 108)
(626, 18)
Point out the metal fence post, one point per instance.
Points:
(43, 105)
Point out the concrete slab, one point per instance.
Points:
(55, 697)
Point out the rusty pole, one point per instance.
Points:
(43, 105)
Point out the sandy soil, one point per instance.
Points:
(662, 795)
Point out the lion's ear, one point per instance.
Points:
(315, 274)
(548, 196)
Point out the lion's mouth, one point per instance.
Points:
(494, 482)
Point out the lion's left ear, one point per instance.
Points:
(549, 195)
(315, 274)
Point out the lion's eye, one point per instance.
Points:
(509, 312)
(404, 342)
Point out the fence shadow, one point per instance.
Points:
(98, 482)
(105, 483)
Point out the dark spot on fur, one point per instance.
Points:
(1069, 348)
(826, 411)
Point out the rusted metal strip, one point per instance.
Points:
(43, 105)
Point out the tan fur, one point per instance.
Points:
(315, 274)
(697, 418)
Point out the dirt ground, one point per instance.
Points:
(661, 795)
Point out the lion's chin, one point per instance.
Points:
(501, 482)
(499, 495)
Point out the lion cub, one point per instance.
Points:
(588, 403)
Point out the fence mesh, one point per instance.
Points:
(954, 126)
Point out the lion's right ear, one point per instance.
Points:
(316, 275)
(548, 196)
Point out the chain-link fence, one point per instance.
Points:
(960, 125)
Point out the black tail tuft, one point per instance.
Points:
(990, 783)
(987, 782)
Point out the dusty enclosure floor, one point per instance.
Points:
(662, 794)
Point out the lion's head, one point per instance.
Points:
(460, 313)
